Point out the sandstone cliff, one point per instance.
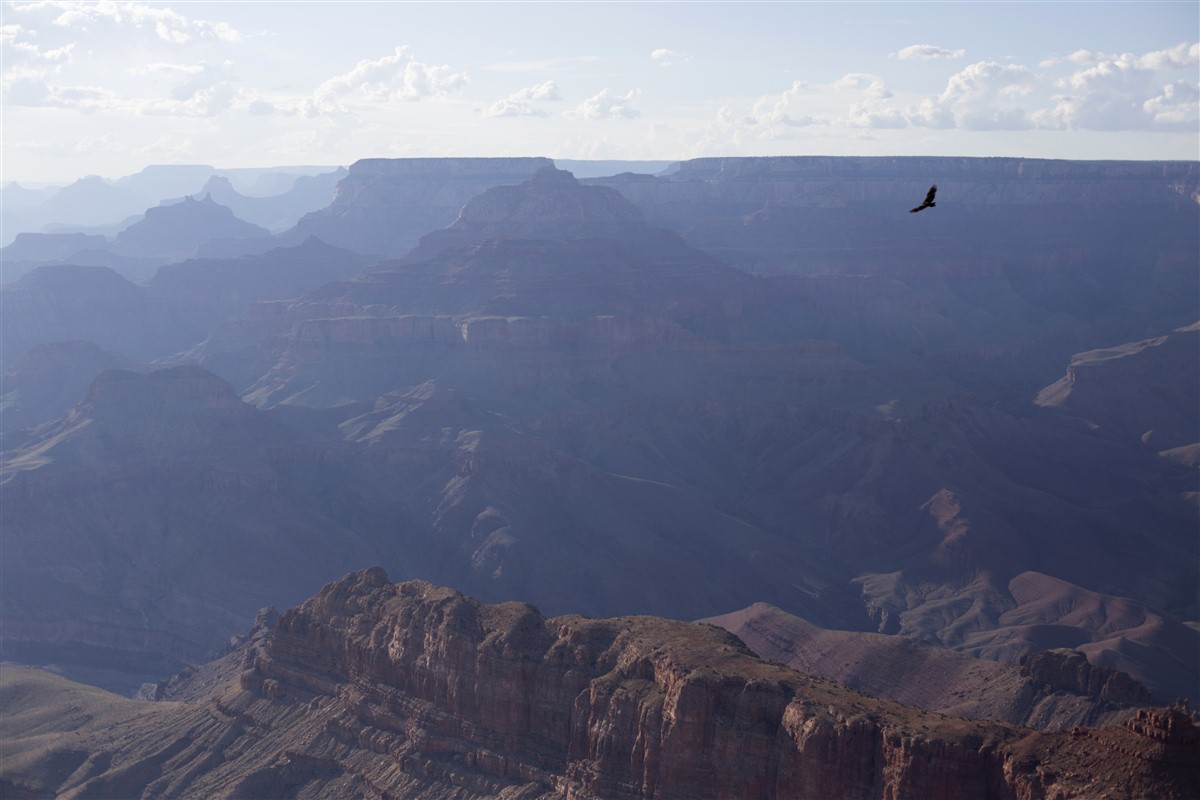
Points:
(373, 689)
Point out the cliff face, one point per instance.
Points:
(383, 206)
(1050, 690)
(373, 689)
(1146, 391)
(1079, 238)
(152, 520)
(176, 230)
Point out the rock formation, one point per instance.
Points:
(174, 231)
(51, 378)
(81, 303)
(1051, 689)
(373, 689)
(152, 520)
(1147, 390)
(383, 206)
(553, 400)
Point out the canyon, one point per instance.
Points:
(959, 444)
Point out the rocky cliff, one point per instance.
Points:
(1049, 690)
(176, 230)
(383, 206)
(1085, 239)
(154, 519)
(1146, 391)
(373, 689)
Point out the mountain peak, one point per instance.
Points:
(179, 228)
(550, 205)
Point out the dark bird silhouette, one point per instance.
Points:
(928, 202)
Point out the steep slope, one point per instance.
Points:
(383, 206)
(176, 230)
(549, 391)
(155, 518)
(384, 690)
(1023, 250)
(1052, 689)
(80, 303)
(50, 379)
(279, 211)
(201, 293)
(863, 482)
(1147, 390)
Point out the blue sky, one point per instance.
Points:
(108, 87)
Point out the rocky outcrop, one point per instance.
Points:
(153, 519)
(1070, 671)
(1051, 690)
(276, 212)
(204, 292)
(51, 378)
(383, 206)
(176, 230)
(1147, 390)
(550, 205)
(80, 303)
(373, 689)
(1010, 236)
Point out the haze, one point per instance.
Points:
(107, 88)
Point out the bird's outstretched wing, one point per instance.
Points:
(927, 202)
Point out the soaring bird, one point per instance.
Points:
(927, 202)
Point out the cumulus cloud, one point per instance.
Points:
(668, 58)
(1124, 93)
(608, 105)
(1177, 57)
(393, 77)
(521, 103)
(980, 97)
(169, 26)
(16, 39)
(871, 85)
(926, 52)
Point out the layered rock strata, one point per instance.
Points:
(381, 690)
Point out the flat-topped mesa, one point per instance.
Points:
(631, 707)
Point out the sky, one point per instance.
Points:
(107, 88)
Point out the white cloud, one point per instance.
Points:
(1177, 107)
(1122, 92)
(392, 77)
(926, 52)
(260, 108)
(871, 85)
(1177, 57)
(980, 97)
(668, 58)
(787, 109)
(16, 39)
(169, 26)
(607, 105)
(521, 103)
